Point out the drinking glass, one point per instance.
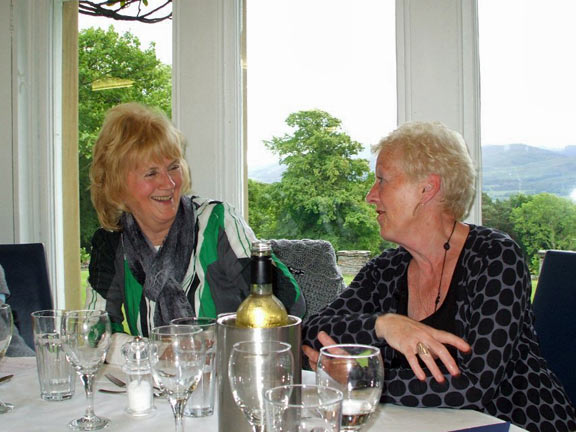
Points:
(86, 336)
(358, 372)
(201, 402)
(177, 355)
(303, 408)
(255, 367)
(5, 337)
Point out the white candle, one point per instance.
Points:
(139, 396)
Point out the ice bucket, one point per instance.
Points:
(230, 418)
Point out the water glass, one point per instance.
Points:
(86, 338)
(177, 359)
(55, 374)
(6, 324)
(303, 408)
(201, 402)
(255, 367)
(358, 372)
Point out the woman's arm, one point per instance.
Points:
(491, 319)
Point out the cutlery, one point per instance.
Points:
(115, 380)
(156, 393)
(6, 378)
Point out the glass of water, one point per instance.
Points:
(201, 402)
(303, 408)
(357, 371)
(56, 375)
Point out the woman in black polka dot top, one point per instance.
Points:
(450, 307)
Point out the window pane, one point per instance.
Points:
(337, 56)
(119, 61)
(528, 143)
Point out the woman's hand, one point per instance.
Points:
(312, 354)
(414, 339)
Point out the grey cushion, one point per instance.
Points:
(313, 264)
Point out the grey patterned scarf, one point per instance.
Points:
(161, 272)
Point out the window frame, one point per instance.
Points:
(208, 102)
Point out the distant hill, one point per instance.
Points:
(506, 170)
(519, 168)
(267, 174)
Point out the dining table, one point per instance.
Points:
(34, 414)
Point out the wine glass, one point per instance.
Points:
(177, 359)
(86, 336)
(358, 372)
(303, 408)
(5, 337)
(255, 367)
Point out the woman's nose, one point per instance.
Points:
(166, 181)
(372, 195)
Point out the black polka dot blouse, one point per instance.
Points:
(504, 375)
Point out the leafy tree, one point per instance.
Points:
(497, 214)
(119, 10)
(322, 191)
(545, 221)
(106, 54)
(262, 208)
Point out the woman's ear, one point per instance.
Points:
(430, 186)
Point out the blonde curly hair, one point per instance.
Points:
(131, 134)
(432, 148)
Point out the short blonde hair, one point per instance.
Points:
(132, 133)
(426, 148)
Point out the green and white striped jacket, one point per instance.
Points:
(217, 279)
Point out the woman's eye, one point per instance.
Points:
(174, 167)
(150, 174)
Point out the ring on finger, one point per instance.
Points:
(422, 349)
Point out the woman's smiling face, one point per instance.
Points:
(152, 194)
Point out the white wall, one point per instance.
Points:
(6, 170)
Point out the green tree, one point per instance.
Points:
(497, 214)
(322, 191)
(545, 221)
(262, 208)
(105, 54)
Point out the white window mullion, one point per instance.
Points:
(438, 70)
(207, 101)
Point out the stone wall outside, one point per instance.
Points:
(351, 261)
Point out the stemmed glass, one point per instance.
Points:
(86, 336)
(177, 359)
(358, 372)
(5, 337)
(255, 367)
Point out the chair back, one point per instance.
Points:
(313, 265)
(27, 278)
(554, 305)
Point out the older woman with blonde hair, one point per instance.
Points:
(450, 306)
(161, 254)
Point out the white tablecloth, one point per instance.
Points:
(33, 414)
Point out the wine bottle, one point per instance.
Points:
(261, 308)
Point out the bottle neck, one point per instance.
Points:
(261, 275)
(261, 289)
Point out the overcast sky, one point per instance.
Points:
(338, 55)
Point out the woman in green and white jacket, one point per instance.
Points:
(161, 254)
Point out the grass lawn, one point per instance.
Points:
(83, 283)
